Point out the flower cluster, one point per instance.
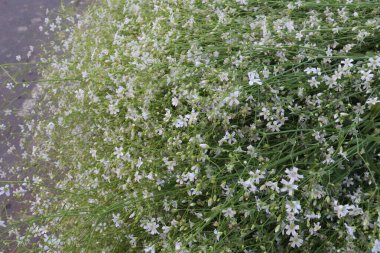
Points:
(207, 126)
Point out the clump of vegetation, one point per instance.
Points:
(207, 126)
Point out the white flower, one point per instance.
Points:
(229, 213)
(169, 164)
(251, 151)
(10, 86)
(265, 112)
(221, 15)
(116, 220)
(376, 246)
(84, 74)
(347, 63)
(293, 207)
(374, 62)
(118, 152)
(178, 246)
(350, 230)
(2, 224)
(288, 187)
(151, 226)
(256, 176)
(180, 122)
(93, 152)
(293, 174)
(192, 117)
(5, 190)
(254, 78)
(315, 228)
(223, 76)
(232, 99)
(295, 241)
(274, 126)
(230, 138)
(150, 249)
(204, 146)
(217, 234)
(175, 101)
(292, 229)
(132, 239)
(372, 101)
(366, 75)
(309, 71)
(242, 2)
(248, 185)
(113, 109)
(340, 210)
(313, 82)
(343, 154)
(79, 94)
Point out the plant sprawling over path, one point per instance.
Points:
(208, 126)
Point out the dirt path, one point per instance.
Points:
(19, 30)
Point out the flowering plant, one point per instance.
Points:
(207, 126)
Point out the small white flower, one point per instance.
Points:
(343, 154)
(151, 226)
(5, 190)
(256, 176)
(178, 246)
(180, 122)
(340, 210)
(10, 86)
(315, 228)
(254, 78)
(84, 74)
(223, 76)
(229, 212)
(350, 231)
(116, 220)
(372, 101)
(313, 82)
(288, 187)
(295, 241)
(274, 126)
(204, 146)
(347, 63)
(150, 249)
(242, 2)
(293, 207)
(217, 234)
(232, 99)
(175, 101)
(376, 246)
(93, 152)
(230, 138)
(79, 94)
(265, 112)
(292, 229)
(118, 152)
(251, 151)
(366, 75)
(113, 109)
(248, 185)
(2, 224)
(293, 174)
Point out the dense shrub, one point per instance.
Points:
(208, 126)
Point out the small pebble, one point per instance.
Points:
(35, 20)
(22, 29)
